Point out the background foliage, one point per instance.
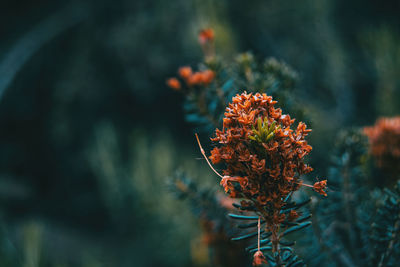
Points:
(89, 131)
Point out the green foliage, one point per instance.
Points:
(205, 106)
(203, 201)
(207, 204)
(358, 224)
(385, 229)
(337, 227)
(285, 255)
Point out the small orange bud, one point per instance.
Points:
(195, 79)
(259, 258)
(320, 186)
(185, 72)
(208, 76)
(174, 83)
(263, 200)
(206, 35)
(293, 215)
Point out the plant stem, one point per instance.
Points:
(275, 244)
(259, 227)
(349, 211)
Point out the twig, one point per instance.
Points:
(205, 157)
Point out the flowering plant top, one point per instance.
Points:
(264, 159)
(263, 155)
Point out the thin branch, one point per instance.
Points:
(259, 227)
(205, 157)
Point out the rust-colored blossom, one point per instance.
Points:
(195, 79)
(206, 40)
(185, 72)
(215, 156)
(201, 78)
(174, 83)
(207, 76)
(191, 79)
(259, 258)
(320, 186)
(384, 140)
(293, 215)
(206, 35)
(263, 156)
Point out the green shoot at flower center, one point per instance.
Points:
(264, 132)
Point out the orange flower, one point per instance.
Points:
(215, 156)
(271, 166)
(206, 35)
(174, 83)
(293, 215)
(207, 76)
(185, 72)
(259, 258)
(320, 187)
(199, 77)
(195, 79)
(384, 139)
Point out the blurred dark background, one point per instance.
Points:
(89, 131)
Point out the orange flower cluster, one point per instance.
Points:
(206, 35)
(384, 139)
(266, 168)
(198, 78)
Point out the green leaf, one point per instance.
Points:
(287, 243)
(249, 225)
(267, 248)
(296, 228)
(262, 242)
(242, 217)
(302, 219)
(245, 236)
